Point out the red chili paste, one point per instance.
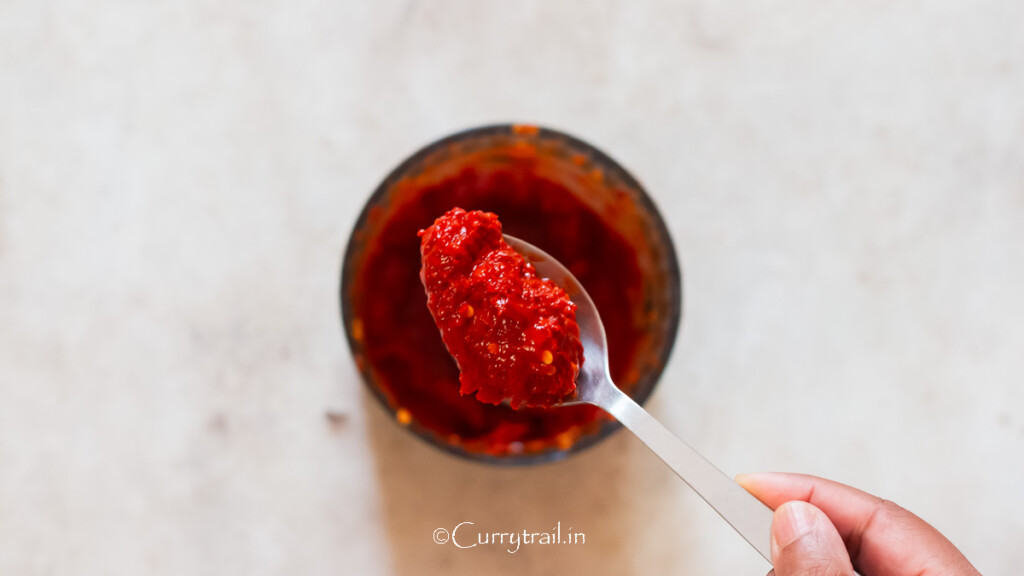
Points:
(512, 333)
(401, 346)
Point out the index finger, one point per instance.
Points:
(882, 538)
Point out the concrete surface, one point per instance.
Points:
(844, 180)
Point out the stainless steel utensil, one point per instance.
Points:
(746, 514)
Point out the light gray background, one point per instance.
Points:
(844, 181)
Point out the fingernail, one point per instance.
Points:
(792, 520)
(746, 481)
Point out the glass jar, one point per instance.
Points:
(552, 190)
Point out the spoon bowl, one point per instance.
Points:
(594, 376)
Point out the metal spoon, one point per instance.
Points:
(746, 514)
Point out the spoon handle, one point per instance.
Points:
(746, 514)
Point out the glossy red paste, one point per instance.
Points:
(512, 333)
(401, 346)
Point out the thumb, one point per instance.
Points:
(804, 542)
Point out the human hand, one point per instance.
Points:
(820, 526)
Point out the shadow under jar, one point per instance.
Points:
(551, 190)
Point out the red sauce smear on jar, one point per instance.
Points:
(513, 334)
(400, 343)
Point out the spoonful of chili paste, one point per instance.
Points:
(512, 333)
